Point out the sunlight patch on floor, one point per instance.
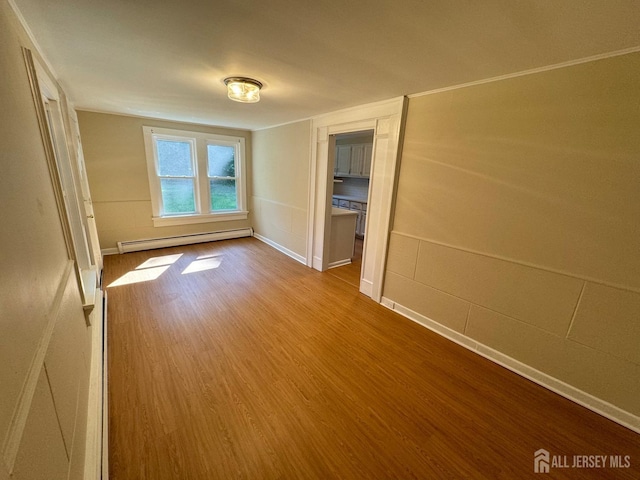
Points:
(202, 263)
(137, 276)
(159, 261)
(147, 271)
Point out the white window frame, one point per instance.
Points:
(199, 142)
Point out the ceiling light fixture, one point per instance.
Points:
(242, 89)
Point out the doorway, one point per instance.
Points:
(351, 155)
(384, 119)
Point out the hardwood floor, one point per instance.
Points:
(254, 366)
(351, 273)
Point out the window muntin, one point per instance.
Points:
(195, 177)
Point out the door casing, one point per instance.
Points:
(384, 118)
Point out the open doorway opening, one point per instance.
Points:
(384, 118)
(350, 155)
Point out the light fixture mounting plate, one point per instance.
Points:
(228, 80)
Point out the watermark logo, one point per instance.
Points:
(543, 461)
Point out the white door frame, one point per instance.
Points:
(384, 119)
(49, 108)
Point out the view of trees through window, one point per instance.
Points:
(175, 167)
(177, 195)
(221, 167)
(178, 177)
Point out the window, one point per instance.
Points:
(221, 171)
(194, 177)
(177, 174)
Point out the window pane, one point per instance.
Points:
(223, 194)
(174, 158)
(177, 195)
(221, 161)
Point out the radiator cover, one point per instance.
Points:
(151, 243)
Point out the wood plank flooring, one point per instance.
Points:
(253, 366)
(351, 273)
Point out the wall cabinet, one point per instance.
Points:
(353, 160)
(343, 160)
(367, 152)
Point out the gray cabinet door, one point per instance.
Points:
(343, 160)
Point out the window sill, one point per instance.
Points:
(206, 218)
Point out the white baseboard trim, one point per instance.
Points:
(280, 248)
(109, 251)
(366, 287)
(317, 263)
(597, 405)
(339, 263)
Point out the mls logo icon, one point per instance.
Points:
(541, 461)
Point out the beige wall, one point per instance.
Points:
(44, 342)
(281, 157)
(518, 221)
(117, 170)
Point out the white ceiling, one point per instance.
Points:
(167, 59)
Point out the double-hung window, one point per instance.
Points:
(195, 177)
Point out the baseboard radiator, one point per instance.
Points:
(151, 243)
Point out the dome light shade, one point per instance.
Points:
(241, 89)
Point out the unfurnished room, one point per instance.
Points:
(326, 240)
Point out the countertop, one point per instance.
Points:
(351, 199)
(338, 212)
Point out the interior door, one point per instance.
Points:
(68, 185)
(87, 204)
